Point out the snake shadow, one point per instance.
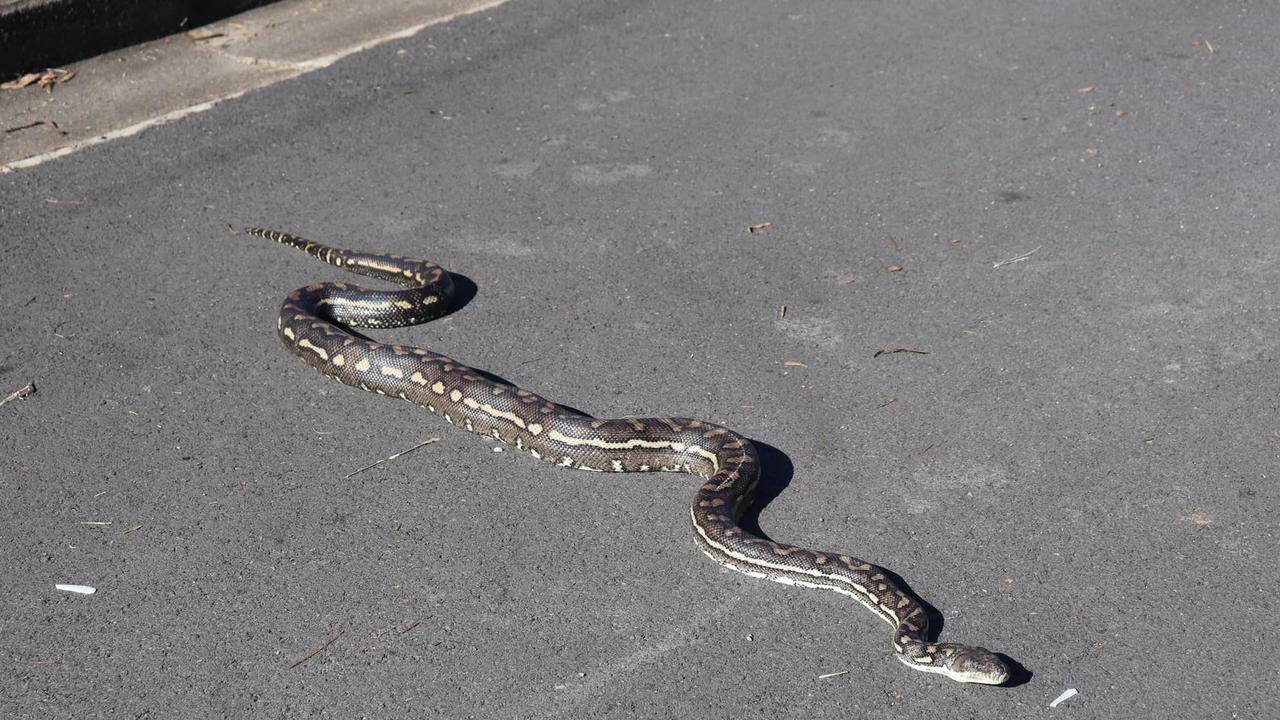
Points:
(464, 291)
(776, 473)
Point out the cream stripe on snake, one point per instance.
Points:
(312, 323)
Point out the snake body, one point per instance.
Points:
(312, 325)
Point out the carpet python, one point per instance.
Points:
(312, 325)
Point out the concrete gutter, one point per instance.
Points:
(126, 91)
(37, 34)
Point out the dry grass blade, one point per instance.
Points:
(1016, 259)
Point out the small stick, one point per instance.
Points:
(834, 674)
(321, 649)
(409, 628)
(19, 393)
(428, 441)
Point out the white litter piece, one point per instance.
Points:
(1066, 695)
(82, 589)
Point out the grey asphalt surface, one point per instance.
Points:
(1080, 473)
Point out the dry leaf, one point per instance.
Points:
(21, 82)
(1085, 89)
(47, 78)
(893, 268)
(55, 76)
(1199, 518)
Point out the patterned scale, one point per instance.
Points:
(312, 326)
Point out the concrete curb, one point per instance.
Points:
(123, 92)
(37, 34)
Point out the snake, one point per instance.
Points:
(315, 324)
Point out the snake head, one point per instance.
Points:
(974, 665)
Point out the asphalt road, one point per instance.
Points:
(1080, 472)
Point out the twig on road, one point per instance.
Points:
(428, 441)
(319, 650)
(890, 351)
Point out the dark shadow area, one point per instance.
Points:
(776, 471)
(37, 35)
(464, 291)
